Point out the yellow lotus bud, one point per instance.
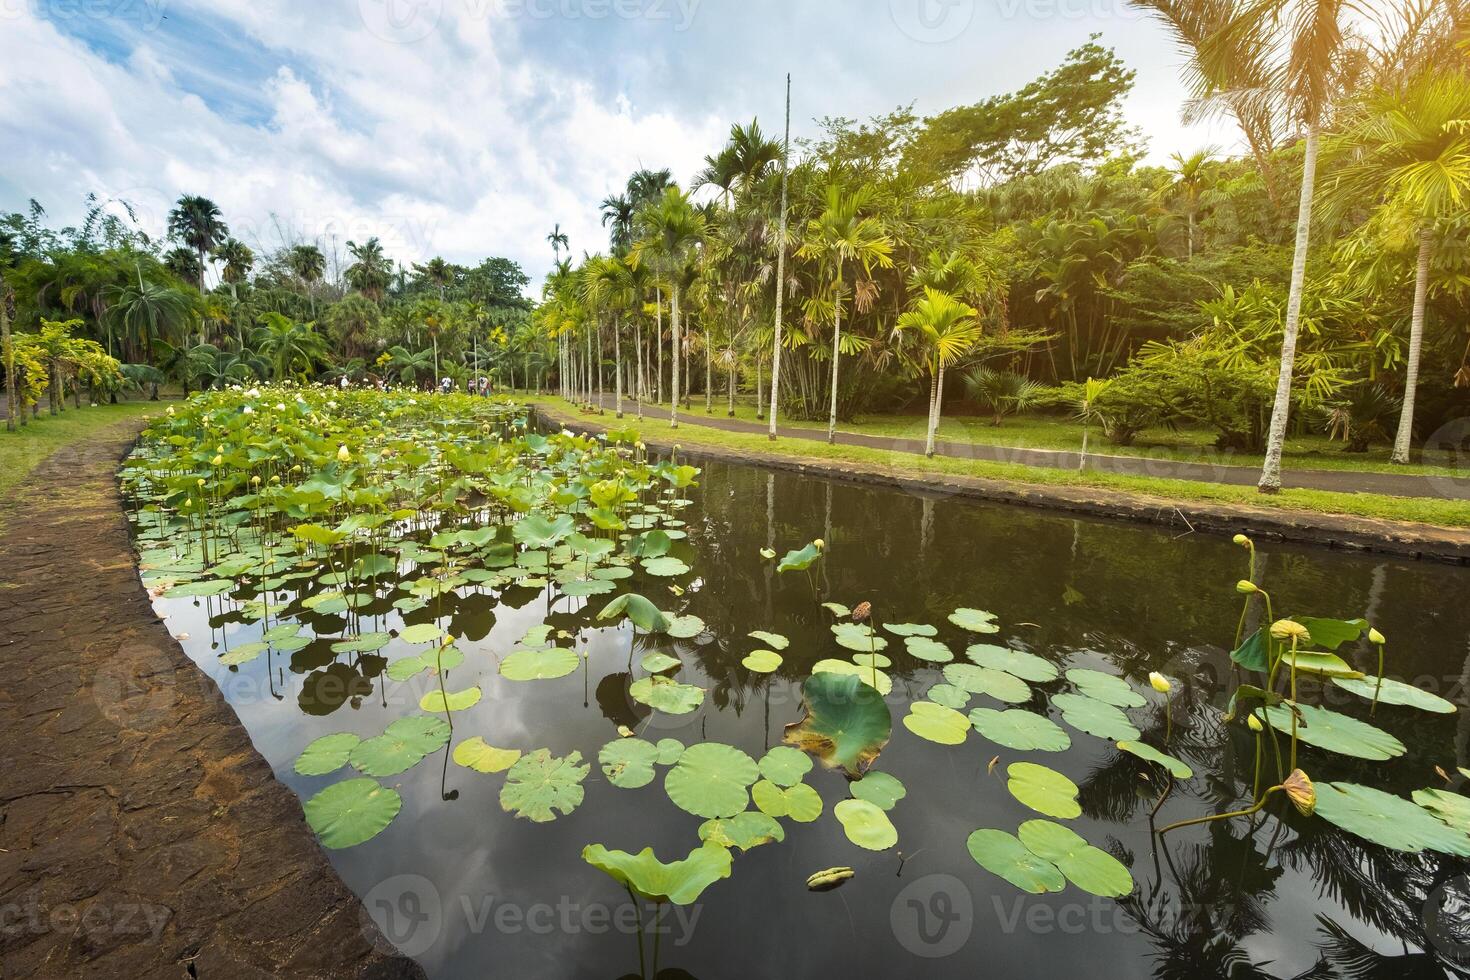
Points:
(820, 544)
(1159, 682)
(199, 482)
(1254, 724)
(296, 468)
(1299, 789)
(1286, 629)
(1246, 587)
(170, 410)
(1376, 637)
(276, 479)
(1242, 540)
(255, 480)
(342, 454)
(217, 460)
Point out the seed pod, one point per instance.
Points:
(863, 610)
(825, 881)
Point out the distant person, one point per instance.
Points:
(345, 382)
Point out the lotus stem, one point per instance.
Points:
(1256, 808)
(1256, 779)
(1378, 688)
(638, 910)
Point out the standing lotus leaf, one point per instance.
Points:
(1327, 729)
(541, 785)
(846, 724)
(1176, 768)
(680, 882)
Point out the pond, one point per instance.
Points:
(471, 889)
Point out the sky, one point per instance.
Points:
(467, 128)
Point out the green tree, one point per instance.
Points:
(308, 264)
(370, 271)
(948, 331)
(292, 349)
(672, 228)
(200, 225)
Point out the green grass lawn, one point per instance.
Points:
(22, 450)
(1056, 432)
(1446, 513)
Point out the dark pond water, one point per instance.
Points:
(472, 892)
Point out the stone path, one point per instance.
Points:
(1342, 481)
(141, 834)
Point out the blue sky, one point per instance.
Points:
(468, 127)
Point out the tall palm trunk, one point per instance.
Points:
(934, 377)
(780, 268)
(836, 356)
(1416, 345)
(709, 382)
(1280, 411)
(658, 341)
(674, 400)
(7, 352)
(638, 380)
(618, 361)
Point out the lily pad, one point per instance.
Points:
(924, 648)
(435, 701)
(680, 882)
(984, 680)
(659, 662)
(541, 785)
(866, 825)
(859, 638)
(799, 802)
(1096, 717)
(710, 780)
(1044, 790)
(949, 696)
(1451, 808)
(666, 695)
(1106, 688)
(911, 629)
(421, 633)
(761, 661)
(1388, 820)
(1089, 868)
(327, 754)
(628, 762)
(846, 724)
(936, 723)
(665, 567)
(974, 620)
(685, 627)
(474, 753)
(1396, 692)
(785, 766)
(773, 640)
(243, 654)
(669, 750)
(1018, 663)
(1334, 732)
(363, 643)
(867, 675)
(547, 663)
(403, 745)
(879, 789)
(745, 830)
(1003, 854)
(1177, 768)
(1022, 730)
(351, 812)
(837, 609)
(639, 611)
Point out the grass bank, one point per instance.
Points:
(23, 450)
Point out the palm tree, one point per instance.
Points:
(407, 364)
(371, 271)
(7, 351)
(199, 224)
(238, 260)
(438, 272)
(293, 349)
(558, 241)
(608, 285)
(184, 263)
(1408, 154)
(841, 234)
(617, 211)
(672, 229)
(1188, 183)
(948, 331)
(308, 264)
(780, 268)
(148, 312)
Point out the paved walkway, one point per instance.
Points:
(1342, 481)
(141, 834)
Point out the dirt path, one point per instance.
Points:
(1341, 481)
(141, 834)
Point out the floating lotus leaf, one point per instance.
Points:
(936, 723)
(1095, 717)
(1320, 664)
(347, 813)
(1388, 820)
(866, 674)
(769, 798)
(403, 745)
(327, 754)
(685, 627)
(243, 654)
(837, 609)
(659, 662)
(474, 753)
(1089, 868)
(974, 620)
(1022, 730)
(761, 661)
(421, 633)
(911, 629)
(1003, 854)
(1176, 768)
(1027, 666)
(1106, 688)
(363, 643)
(846, 724)
(1043, 790)
(710, 780)
(611, 573)
(773, 640)
(586, 587)
(866, 825)
(745, 830)
(666, 695)
(405, 667)
(669, 750)
(785, 766)
(858, 637)
(984, 680)
(924, 648)
(541, 785)
(665, 567)
(1327, 729)
(680, 882)
(799, 802)
(200, 590)
(539, 532)
(949, 696)
(435, 701)
(800, 560)
(281, 631)
(1451, 808)
(540, 665)
(1396, 692)
(642, 613)
(628, 762)
(879, 789)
